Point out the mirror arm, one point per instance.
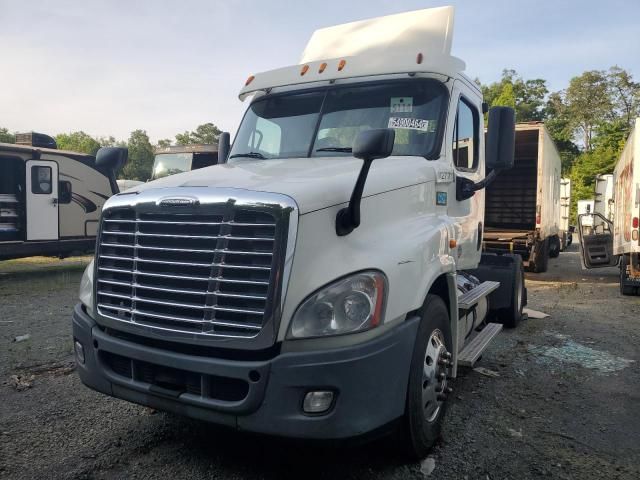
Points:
(465, 188)
(348, 218)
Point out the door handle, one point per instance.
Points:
(54, 202)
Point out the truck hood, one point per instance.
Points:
(314, 183)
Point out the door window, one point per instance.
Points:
(466, 138)
(41, 180)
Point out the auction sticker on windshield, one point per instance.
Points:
(411, 124)
(401, 104)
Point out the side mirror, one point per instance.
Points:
(501, 138)
(224, 145)
(369, 145)
(112, 159)
(373, 144)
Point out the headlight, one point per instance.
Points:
(352, 304)
(86, 287)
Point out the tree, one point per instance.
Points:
(527, 97)
(589, 103)
(559, 125)
(6, 137)
(140, 161)
(110, 141)
(164, 143)
(78, 142)
(207, 133)
(625, 94)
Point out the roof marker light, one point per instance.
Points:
(419, 59)
(341, 65)
(249, 80)
(322, 67)
(304, 70)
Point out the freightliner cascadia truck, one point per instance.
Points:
(609, 233)
(325, 280)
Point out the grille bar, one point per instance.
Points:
(202, 271)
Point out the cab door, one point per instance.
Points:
(42, 200)
(465, 142)
(596, 243)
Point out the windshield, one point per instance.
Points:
(166, 164)
(325, 122)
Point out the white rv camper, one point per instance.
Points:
(523, 204)
(618, 241)
(51, 200)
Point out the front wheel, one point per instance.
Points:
(428, 385)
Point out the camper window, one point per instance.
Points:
(64, 192)
(41, 180)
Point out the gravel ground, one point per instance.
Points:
(565, 402)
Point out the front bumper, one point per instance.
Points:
(369, 381)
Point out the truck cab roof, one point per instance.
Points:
(411, 42)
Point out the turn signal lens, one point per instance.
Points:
(249, 80)
(341, 65)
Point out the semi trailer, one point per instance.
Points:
(522, 212)
(326, 280)
(609, 236)
(50, 199)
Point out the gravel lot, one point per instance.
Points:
(565, 402)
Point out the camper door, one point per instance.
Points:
(42, 200)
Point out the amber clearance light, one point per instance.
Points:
(249, 80)
(341, 65)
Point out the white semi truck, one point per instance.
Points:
(327, 280)
(523, 205)
(609, 236)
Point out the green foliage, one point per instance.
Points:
(140, 161)
(207, 133)
(6, 136)
(78, 142)
(527, 97)
(164, 143)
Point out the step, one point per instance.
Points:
(470, 298)
(472, 351)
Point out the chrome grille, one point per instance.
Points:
(206, 271)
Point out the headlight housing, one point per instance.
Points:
(352, 304)
(86, 287)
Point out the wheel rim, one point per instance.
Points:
(434, 375)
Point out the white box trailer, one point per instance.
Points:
(585, 211)
(522, 212)
(618, 242)
(565, 213)
(51, 200)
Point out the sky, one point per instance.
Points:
(110, 67)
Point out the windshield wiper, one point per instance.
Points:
(249, 155)
(335, 149)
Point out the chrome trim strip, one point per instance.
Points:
(172, 222)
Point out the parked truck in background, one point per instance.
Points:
(182, 158)
(614, 238)
(522, 212)
(327, 279)
(585, 209)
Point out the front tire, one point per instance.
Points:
(428, 386)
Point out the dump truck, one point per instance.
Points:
(522, 211)
(326, 280)
(609, 233)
